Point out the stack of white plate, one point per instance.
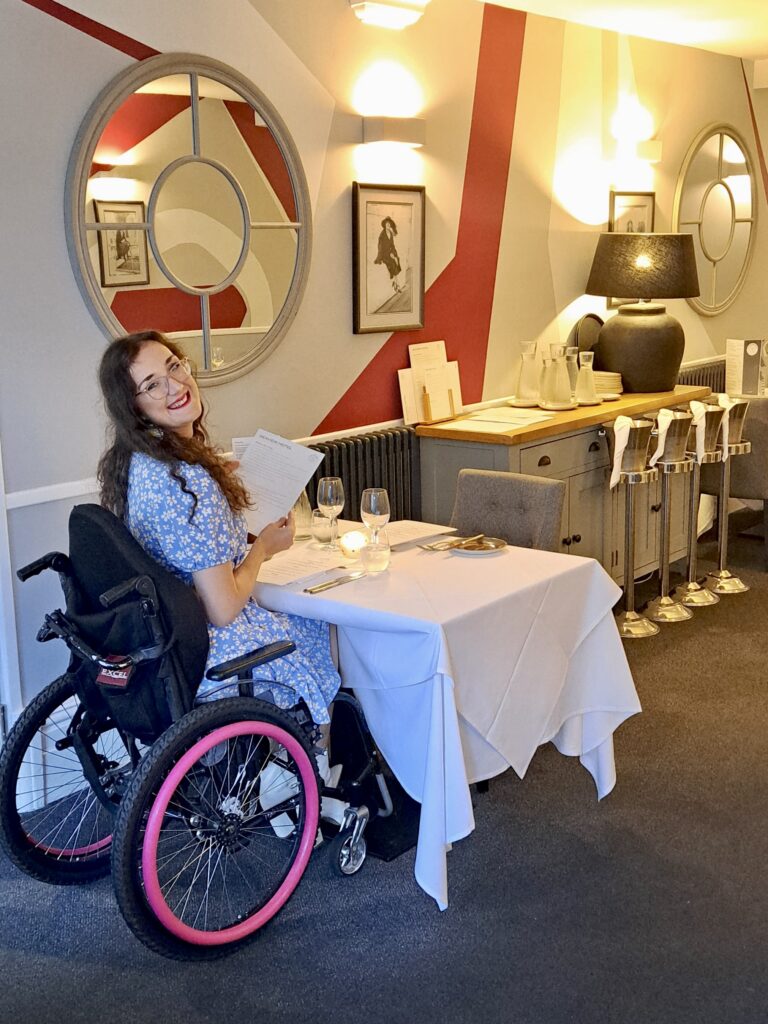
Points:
(608, 383)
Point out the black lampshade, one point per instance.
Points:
(644, 266)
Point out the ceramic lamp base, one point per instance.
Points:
(644, 344)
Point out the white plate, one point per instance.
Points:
(486, 546)
(609, 396)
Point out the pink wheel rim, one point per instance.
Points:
(152, 887)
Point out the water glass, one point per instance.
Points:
(376, 554)
(374, 508)
(321, 529)
(330, 501)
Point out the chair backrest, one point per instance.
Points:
(749, 473)
(103, 554)
(523, 510)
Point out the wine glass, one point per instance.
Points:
(330, 501)
(374, 509)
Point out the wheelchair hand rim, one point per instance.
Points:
(152, 887)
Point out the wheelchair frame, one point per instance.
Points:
(175, 791)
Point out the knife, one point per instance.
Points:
(319, 587)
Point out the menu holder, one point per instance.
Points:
(430, 395)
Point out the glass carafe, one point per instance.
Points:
(572, 364)
(558, 385)
(586, 392)
(527, 392)
(545, 382)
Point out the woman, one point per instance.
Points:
(178, 498)
(387, 252)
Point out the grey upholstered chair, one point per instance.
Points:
(523, 510)
(749, 473)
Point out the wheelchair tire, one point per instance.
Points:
(52, 824)
(216, 829)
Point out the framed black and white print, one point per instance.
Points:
(633, 212)
(123, 254)
(387, 257)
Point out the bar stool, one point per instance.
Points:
(691, 593)
(673, 428)
(722, 581)
(632, 625)
(665, 608)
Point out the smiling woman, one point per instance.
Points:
(184, 505)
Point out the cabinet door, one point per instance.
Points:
(679, 516)
(646, 529)
(586, 513)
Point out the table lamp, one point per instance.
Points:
(643, 342)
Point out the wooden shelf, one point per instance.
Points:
(566, 422)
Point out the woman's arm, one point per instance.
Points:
(225, 590)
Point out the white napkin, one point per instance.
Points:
(725, 402)
(663, 420)
(620, 434)
(699, 411)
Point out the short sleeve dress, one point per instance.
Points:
(159, 518)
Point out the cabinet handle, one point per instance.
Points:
(567, 541)
(576, 538)
(594, 447)
(545, 461)
(656, 508)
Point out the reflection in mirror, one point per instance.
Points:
(191, 214)
(714, 202)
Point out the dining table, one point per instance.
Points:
(465, 663)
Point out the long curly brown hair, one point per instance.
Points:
(131, 432)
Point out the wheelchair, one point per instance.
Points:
(206, 813)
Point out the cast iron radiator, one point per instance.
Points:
(381, 458)
(707, 375)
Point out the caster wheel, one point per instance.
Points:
(346, 856)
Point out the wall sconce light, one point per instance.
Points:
(394, 14)
(408, 131)
(112, 189)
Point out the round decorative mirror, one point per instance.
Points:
(715, 203)
(188, 212)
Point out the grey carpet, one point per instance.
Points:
(649, 907)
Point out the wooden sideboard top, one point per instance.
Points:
(566, 422)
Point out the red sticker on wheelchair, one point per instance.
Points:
(117, 677)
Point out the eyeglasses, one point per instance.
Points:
(179, 370)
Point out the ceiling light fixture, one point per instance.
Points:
(394, 14)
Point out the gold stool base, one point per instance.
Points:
(693, 595)
(633, 626)
(724, 582)
(665, 609)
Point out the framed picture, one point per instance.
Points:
(123, 254)
(630, 211)
(387, 257)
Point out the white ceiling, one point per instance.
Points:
(736, 27)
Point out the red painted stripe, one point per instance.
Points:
(134, 120)
(266, 153)
(458, 304)
(167, 309)
(760, 153)
(95, 29)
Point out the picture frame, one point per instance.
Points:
(123, 253)
(387, 257)
(633, 212)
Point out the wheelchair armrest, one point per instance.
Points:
(53, 560)
(236, 666)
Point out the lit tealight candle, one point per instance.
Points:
(351, 544)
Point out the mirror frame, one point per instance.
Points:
(78, 173)
(720, 128)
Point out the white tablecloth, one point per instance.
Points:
(464, 665)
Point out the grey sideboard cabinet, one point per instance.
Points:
(594, 515)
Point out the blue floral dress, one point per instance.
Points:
(158, 517)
